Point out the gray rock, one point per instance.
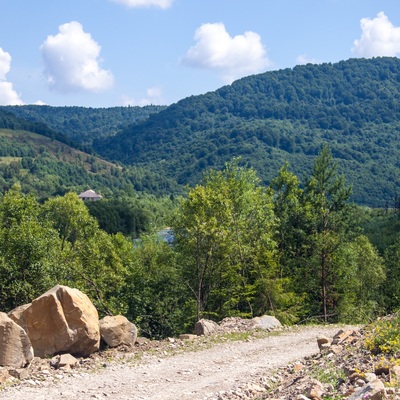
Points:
(267, 322)
(205, 327)
(374, 390)
(118, 330)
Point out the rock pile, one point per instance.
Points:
(62, 320)
(235, 325)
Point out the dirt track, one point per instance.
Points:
(190, 375)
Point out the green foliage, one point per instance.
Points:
(384, 336)
(121, 215)
(28, 248)
(327, 196)
(361, 269)
(392, 288)
(224, 237)
(381, 226)
(155, 294)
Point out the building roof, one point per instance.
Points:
(90, 194)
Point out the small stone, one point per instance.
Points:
(316, 390)
(67, 360)
(4, 375)
(187, 336)
(323, 340)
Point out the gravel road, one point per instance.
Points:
(190, 375)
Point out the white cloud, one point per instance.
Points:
(145, 3)
(5, 64)
(8, 96)
(303, 59)
(234, 57)
(72, 61)
(379, 37)
(154, 95)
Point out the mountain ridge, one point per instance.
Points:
(277, 117)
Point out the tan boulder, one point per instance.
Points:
(205, 327)
(17, 315)
(118, 330)
(62, 320)
(15, 349)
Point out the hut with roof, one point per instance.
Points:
(90, 195)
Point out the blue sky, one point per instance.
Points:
(105, 53)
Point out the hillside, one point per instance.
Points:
(49, 167)
(280, 116)
(81, 124)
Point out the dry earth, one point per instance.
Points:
(183, 374)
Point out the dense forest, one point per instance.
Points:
(279, 116)
(80, 124)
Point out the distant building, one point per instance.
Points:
(90, 195)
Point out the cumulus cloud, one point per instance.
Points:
(154, 95)
(233, 57)
(8, 96)
(303, 59)
(145, 3)
(379, 37)
(72, 61)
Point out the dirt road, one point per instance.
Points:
(191, 375)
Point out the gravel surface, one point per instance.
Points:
(202, 374)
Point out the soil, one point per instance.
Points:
(173, 369)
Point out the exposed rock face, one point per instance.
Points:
(118, 330)
(205, 327)
(15, 346)
(62, 320)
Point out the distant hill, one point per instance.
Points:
(49, 167)
(279, 116)
(81, 124)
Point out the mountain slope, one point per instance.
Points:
(82, 124)
(49, 167)
(280, 116)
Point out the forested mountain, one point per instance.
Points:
(287, 115)
(82, 124)
(49, 167)
(8, 120)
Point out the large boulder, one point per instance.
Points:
(205, 327)
(15, 347)
(118, 330)
(18, 315)
(267, 322)
(62, 320)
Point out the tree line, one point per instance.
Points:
(294, 249)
